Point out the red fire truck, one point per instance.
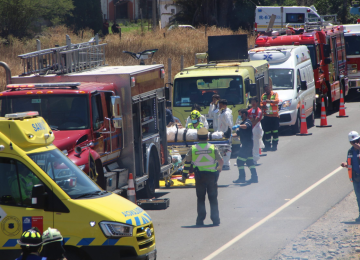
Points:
(109, 120)
(327, 51)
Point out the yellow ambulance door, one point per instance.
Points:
(16, 211)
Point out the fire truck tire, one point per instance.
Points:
(296, 127)
(149, 190)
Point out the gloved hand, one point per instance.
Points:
(235, 126)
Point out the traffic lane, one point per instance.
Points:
(266, 241)
(312, 156)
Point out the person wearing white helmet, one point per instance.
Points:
(53, 245)
(353, 165)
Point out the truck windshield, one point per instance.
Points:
(61, 112)
(352, 45)
(313, 56)
(282, 78)
(65, 173)
(188, 91)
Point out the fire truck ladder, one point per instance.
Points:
(65, 59)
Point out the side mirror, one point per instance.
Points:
(167, 90)
(247, 85)
(327, 50)
(303, 85)
(38, 196)
(253, 91)
(116, 106)
(327, 60)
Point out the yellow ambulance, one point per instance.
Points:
(40, 187)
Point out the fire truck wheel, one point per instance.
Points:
(149, 190)
(296, 127)
(311, 118)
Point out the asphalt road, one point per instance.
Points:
(299, 162)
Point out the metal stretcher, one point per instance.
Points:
(182, 148)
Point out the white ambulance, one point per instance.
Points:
(293, 79)
(291, 16)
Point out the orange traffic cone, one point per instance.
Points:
(303, 127)
(260, 153)
(342, 106)
(131, 195)
(323, 122)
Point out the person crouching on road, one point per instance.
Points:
(202, 118)
(204, 157)
(225, 121)
(30, 243)
(255, 116)
(353, 165)
(53, 245)
(245, 154)
(270, 123)
(195, 120)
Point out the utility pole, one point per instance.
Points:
(154, 15)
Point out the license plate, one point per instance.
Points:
(152, 255)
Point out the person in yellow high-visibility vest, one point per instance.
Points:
(353, 165)
(207, 163)
(270, 122)
(195, 120)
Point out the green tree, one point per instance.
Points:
(19, 17)
(87, 14)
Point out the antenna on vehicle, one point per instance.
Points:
(65, 59)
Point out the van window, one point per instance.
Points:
(295, 18)
(313, 18)
(282, 78)
(16, 183)
(298, 78)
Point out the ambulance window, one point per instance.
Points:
(97, 112)
(295, 17)
(16, 183)
(298, 78)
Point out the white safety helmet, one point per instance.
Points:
(353, 135)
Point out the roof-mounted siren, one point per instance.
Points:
(227, 48)
(22, 115)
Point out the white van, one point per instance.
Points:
(292, 16)
(293, 79)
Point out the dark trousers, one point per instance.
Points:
(246, 157)
(270, 126)
(207, 182)
(357, 193)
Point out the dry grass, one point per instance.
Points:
(171, 44)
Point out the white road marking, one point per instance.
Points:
(271, 215)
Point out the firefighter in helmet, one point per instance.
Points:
(30, 243)
(195, 120)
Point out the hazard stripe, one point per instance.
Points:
(66, 239)
(137, 220)
(110, 242)
(129, 221)
(146, 215)
(86, 241)
(145, 220)
(10, 243)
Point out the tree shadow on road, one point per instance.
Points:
(351, 222)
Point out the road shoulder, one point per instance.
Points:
(334, 236)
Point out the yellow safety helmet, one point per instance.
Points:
(30, 237)
(195, 114)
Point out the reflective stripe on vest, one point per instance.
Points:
(349, 166)
(191, 126)
(203, 157)
(273, 108)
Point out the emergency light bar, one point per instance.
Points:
(22, 115)
(72, 85)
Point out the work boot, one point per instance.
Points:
(254, 177)
(200, 223)
(267, 148)
(241, 178)
(274, 148)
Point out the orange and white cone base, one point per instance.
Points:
(323, 121)
(131, 194)
(303, 126)
(342, 106)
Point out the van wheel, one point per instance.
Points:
(149, 190)
(296, 127)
